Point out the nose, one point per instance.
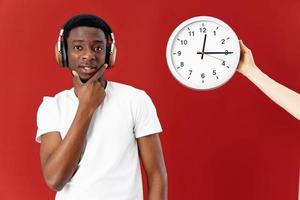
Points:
(89, 54)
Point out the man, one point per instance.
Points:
(93, 135)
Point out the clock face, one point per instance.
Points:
(203, 53)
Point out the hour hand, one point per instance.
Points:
(203, 47)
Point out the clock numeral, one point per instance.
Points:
(190, 73)
(223, 63)
(215, 31)
(181, 65)
(203, 30)
(179, 53)
(214, 72)
(223, 41)
(191, 33)
(202, 76)
(183, 42)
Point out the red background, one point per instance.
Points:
(231, 143)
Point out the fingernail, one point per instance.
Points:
(73, 72)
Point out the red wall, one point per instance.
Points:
(231, 143)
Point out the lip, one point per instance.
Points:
(88, 69)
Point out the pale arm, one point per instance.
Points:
(281, 95)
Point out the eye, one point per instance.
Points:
(98, 49)
(77, 47)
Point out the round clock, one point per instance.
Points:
(203, 53)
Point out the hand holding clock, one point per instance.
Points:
(246, 62)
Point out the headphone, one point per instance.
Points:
(62, 57)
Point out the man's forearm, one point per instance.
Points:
(62, 163)
(158, 187)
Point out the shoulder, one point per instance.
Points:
(126, 90)
(121, 87)
(59, 98)
(129, 94)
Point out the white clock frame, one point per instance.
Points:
(235, 51)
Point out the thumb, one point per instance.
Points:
(244, 48)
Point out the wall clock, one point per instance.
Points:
(203, 53)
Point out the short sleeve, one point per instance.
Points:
(47, 117)
(146, 121)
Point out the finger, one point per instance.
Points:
(76, 79)
(98, 73)
(244, 47)
(243, 50)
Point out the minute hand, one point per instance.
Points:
(216, 52)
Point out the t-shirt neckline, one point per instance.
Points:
(73, 95)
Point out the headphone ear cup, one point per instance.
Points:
(112, 57)
(58, 55)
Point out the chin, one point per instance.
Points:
(84, 78)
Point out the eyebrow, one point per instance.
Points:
(98, 41)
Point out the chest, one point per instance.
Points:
(111, 122)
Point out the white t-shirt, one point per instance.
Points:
(109, 168)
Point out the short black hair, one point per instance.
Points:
(88, 20)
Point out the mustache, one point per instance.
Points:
(90, 65)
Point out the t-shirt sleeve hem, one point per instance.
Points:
(40, 133)
(148, 132)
